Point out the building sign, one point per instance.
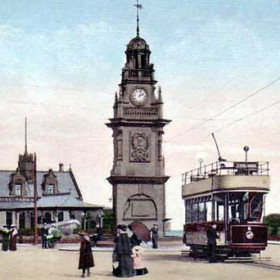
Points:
(16, 199)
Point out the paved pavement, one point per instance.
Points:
(33, 263)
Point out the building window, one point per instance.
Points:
(17, 190)
(60, 216)
(22, 220)
(48, 218)
(72, 215)
(50, 189)
(9, 218)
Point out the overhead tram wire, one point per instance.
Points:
(231, 107)
(249, 115)
(247, 97)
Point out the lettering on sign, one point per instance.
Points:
(246, 165)
(16, 199)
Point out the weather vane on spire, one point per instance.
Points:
(138, 6)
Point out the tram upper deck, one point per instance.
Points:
(226, 176)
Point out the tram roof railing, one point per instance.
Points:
(226, 168)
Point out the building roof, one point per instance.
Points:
(137, 43)
(69, 195)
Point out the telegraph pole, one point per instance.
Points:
(35, 203)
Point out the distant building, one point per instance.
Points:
(59, 198)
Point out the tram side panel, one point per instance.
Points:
(196, 234)
(246, 237)
(249, 236)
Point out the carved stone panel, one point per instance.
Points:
(139, 142)
(140, 206)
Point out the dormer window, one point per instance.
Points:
(50, 184)
(50, 189)
(17, 190)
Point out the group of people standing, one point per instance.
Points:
(127, 254)
(9, 238)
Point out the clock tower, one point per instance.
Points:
(138, 177)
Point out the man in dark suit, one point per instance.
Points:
(44, 234)
(154, 234)
(211, 241)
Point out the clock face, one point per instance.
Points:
(139, 97)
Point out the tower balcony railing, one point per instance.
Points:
(139, 73)
(132, 111)
(232, 168)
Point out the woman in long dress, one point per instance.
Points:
(122, 259)
(5, 238)
(13, 238)
(86, 259)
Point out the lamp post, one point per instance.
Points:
(246, 149)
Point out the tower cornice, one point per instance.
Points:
(115, 122)
(116, 179)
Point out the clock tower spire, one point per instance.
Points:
(138, 176)
(138, 6)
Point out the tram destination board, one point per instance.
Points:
(252, 166)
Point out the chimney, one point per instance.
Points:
(61, 167)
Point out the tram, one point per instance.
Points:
(232, 196)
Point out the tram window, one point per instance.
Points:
(245, 213)
(188, 213)
(195, 212)
(220, 216)
(208, 211)
(256, 207)
(201, 212)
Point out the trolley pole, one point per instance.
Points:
(35, 203)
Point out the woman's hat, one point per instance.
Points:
(122, 227)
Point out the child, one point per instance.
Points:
(139, 267)
(86, 258)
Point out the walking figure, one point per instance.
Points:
(13, 238)
(86, 258)
(154, 234)
(44, 234)
(5, 238)
(211, 241)
(122, 255)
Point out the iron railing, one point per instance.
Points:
(226, 168)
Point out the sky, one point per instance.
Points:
(217, 63)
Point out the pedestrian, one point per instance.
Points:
(154, 235)
(122, 255)
(86, 258)
(13, 238)
(44, 234)
(211, 241)
(134, 240)
(137, 255)
(54, 235)
(5, 238)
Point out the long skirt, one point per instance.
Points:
(5, 242)
(13, 243)
(125, 268)
(86, 260)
